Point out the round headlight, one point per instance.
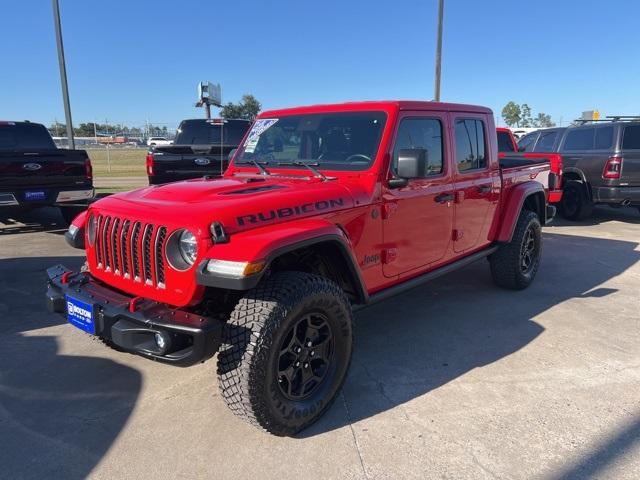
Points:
(92, 228)
(188, 246)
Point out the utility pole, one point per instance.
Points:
(436, 95)
(63, 74)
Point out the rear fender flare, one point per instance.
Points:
(514, 205)
(576, 171)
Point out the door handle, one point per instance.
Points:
(445, 198)
(484, 189)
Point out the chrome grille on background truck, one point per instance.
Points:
(131, 249)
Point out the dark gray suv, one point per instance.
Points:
(601, 163)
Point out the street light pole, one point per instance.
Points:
(63, 74)
(436, 95)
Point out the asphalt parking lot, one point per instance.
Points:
(457, 379)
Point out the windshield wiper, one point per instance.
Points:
(311, 166)
(263, 171)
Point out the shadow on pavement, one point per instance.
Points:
(618, 445)
(59, 414)
(425, 338)
(603, 214)
(31, 221)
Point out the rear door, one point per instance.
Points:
(476, 180)
(630, 143)
(418, 218)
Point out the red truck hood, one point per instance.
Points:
(238, 203)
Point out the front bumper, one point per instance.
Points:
(617, 195)
(132, 323)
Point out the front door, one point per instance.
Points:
(476, 182)
(418, 217)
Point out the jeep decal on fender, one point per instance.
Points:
(290, 211)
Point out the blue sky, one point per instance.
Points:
(129, 61)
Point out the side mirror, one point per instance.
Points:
(522, 149)
(231, 154)
(412, 163)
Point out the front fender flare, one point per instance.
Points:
(268, 243)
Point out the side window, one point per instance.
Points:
(470, 154)
(423, 133)
(604, 137)
(525, 144)
(631, 137)
(579, 139)
(546, 141)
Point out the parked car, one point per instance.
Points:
(543, 140)
(201, 147)
(323, 210)
(508, 146)
(153, 141)
(35, 173)
(601, 164)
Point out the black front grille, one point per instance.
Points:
(130, 249)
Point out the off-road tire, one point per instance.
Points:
(575, 204)
(507, 262)
(252, 340)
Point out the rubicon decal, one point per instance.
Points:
(290, 211)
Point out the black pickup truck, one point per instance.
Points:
(201, 147)
(35, 173)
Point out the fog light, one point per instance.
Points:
(162, 341)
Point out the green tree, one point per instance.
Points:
(58, 129)
(248, 108)
(525, 116)
(543, 120)
(511, 114)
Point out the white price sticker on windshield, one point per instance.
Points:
(260, 126)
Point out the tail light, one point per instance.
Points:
(613, 168)
(88, 169)
(149, 164)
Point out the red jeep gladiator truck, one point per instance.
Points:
(323, 210)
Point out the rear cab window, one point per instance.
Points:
(504, 142)
(24, 136)
(421, 133)
(470, 145)
(203, 132)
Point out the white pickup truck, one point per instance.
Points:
(158, 141)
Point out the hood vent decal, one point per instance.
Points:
(247, 191)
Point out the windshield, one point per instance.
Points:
(24, 136)
(201, 132)
(334, 141)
